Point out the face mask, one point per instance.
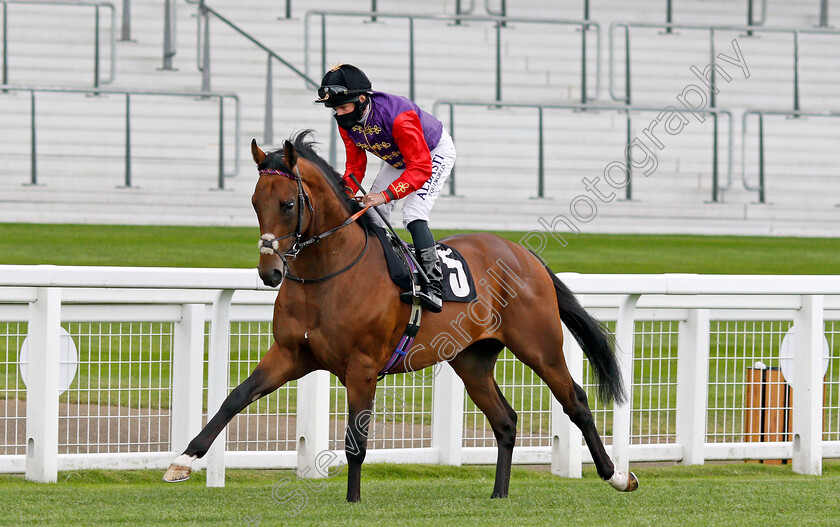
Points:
(348, 120)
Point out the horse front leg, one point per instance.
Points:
(361, 387)
(276, 368)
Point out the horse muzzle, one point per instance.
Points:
(271, 274)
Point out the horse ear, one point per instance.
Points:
(289, 154)
(259, 155)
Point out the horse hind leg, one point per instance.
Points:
(553, 371)
(475, 366)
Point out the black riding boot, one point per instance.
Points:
(431, 293)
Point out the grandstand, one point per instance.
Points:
(700, 185)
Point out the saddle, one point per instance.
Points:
(458, 283)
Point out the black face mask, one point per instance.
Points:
(348, 120)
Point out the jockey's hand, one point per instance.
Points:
(374, 200)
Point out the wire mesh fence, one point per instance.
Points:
(13, 390)
(120, 397)
(268, 424)
(402, 412)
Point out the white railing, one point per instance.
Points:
(133, 385)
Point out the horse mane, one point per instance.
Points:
(305, 147)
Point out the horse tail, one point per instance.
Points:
(597, 342)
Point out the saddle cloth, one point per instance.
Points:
(458, 283)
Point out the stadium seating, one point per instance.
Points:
(81, 138)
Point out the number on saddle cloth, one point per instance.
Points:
(458, 283)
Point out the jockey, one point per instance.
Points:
(418, 154)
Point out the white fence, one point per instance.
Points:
(140, 355)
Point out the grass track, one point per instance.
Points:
(585, 253)
(732, 494)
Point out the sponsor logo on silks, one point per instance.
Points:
(437, 170)
(457, 277)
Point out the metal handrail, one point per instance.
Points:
(96, 6)
(203, 57)
(502, 8)
(498, 21)
(715, 112)
(761, 188)
(751, 21)
(128, 93)
(627, 98)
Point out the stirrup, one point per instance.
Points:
(432, 303)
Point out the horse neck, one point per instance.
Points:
(339, 248)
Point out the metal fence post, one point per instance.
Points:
(5, 44)
(541, 157)
(498, 60)
(692, 385)
(411, 58)
(268, 127)
(187, 375)
(288, 9)
(669, 15)
(43, 342)
(217, 382)
(448, 415)
(127, 140)
(796, 71)
(625, 344)
(33, 157)
(452, 135)
(126, 21)
(566, 456)
(96, 50)
(628, 188)
(313, 423)
(583, 29)
(221, 143)
(823, 13)
(761, 196)
(627, 97)
(168, 32)
(715, 171)
(205, 66)
(808, 386)
(373, 10)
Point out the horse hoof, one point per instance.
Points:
(176, 473)
(632, 484)
(624, 482)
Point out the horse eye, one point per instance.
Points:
(288, 206)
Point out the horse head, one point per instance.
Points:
(284, 209)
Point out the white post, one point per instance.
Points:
(187, 376)
(43, 342)
(566, 459)
(693, 385)
(313, 424)
(808, 386)
(448, 415)
(217, 383)
(624, 337)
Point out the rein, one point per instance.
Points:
(269, 244)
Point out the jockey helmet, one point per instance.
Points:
(343, 84)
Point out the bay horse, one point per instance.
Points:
(338, 310)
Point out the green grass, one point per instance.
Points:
(729, 494)
(585, 253)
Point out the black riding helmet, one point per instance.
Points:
(341, 85)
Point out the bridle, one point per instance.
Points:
(270, 244)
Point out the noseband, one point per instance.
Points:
(270, 244)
